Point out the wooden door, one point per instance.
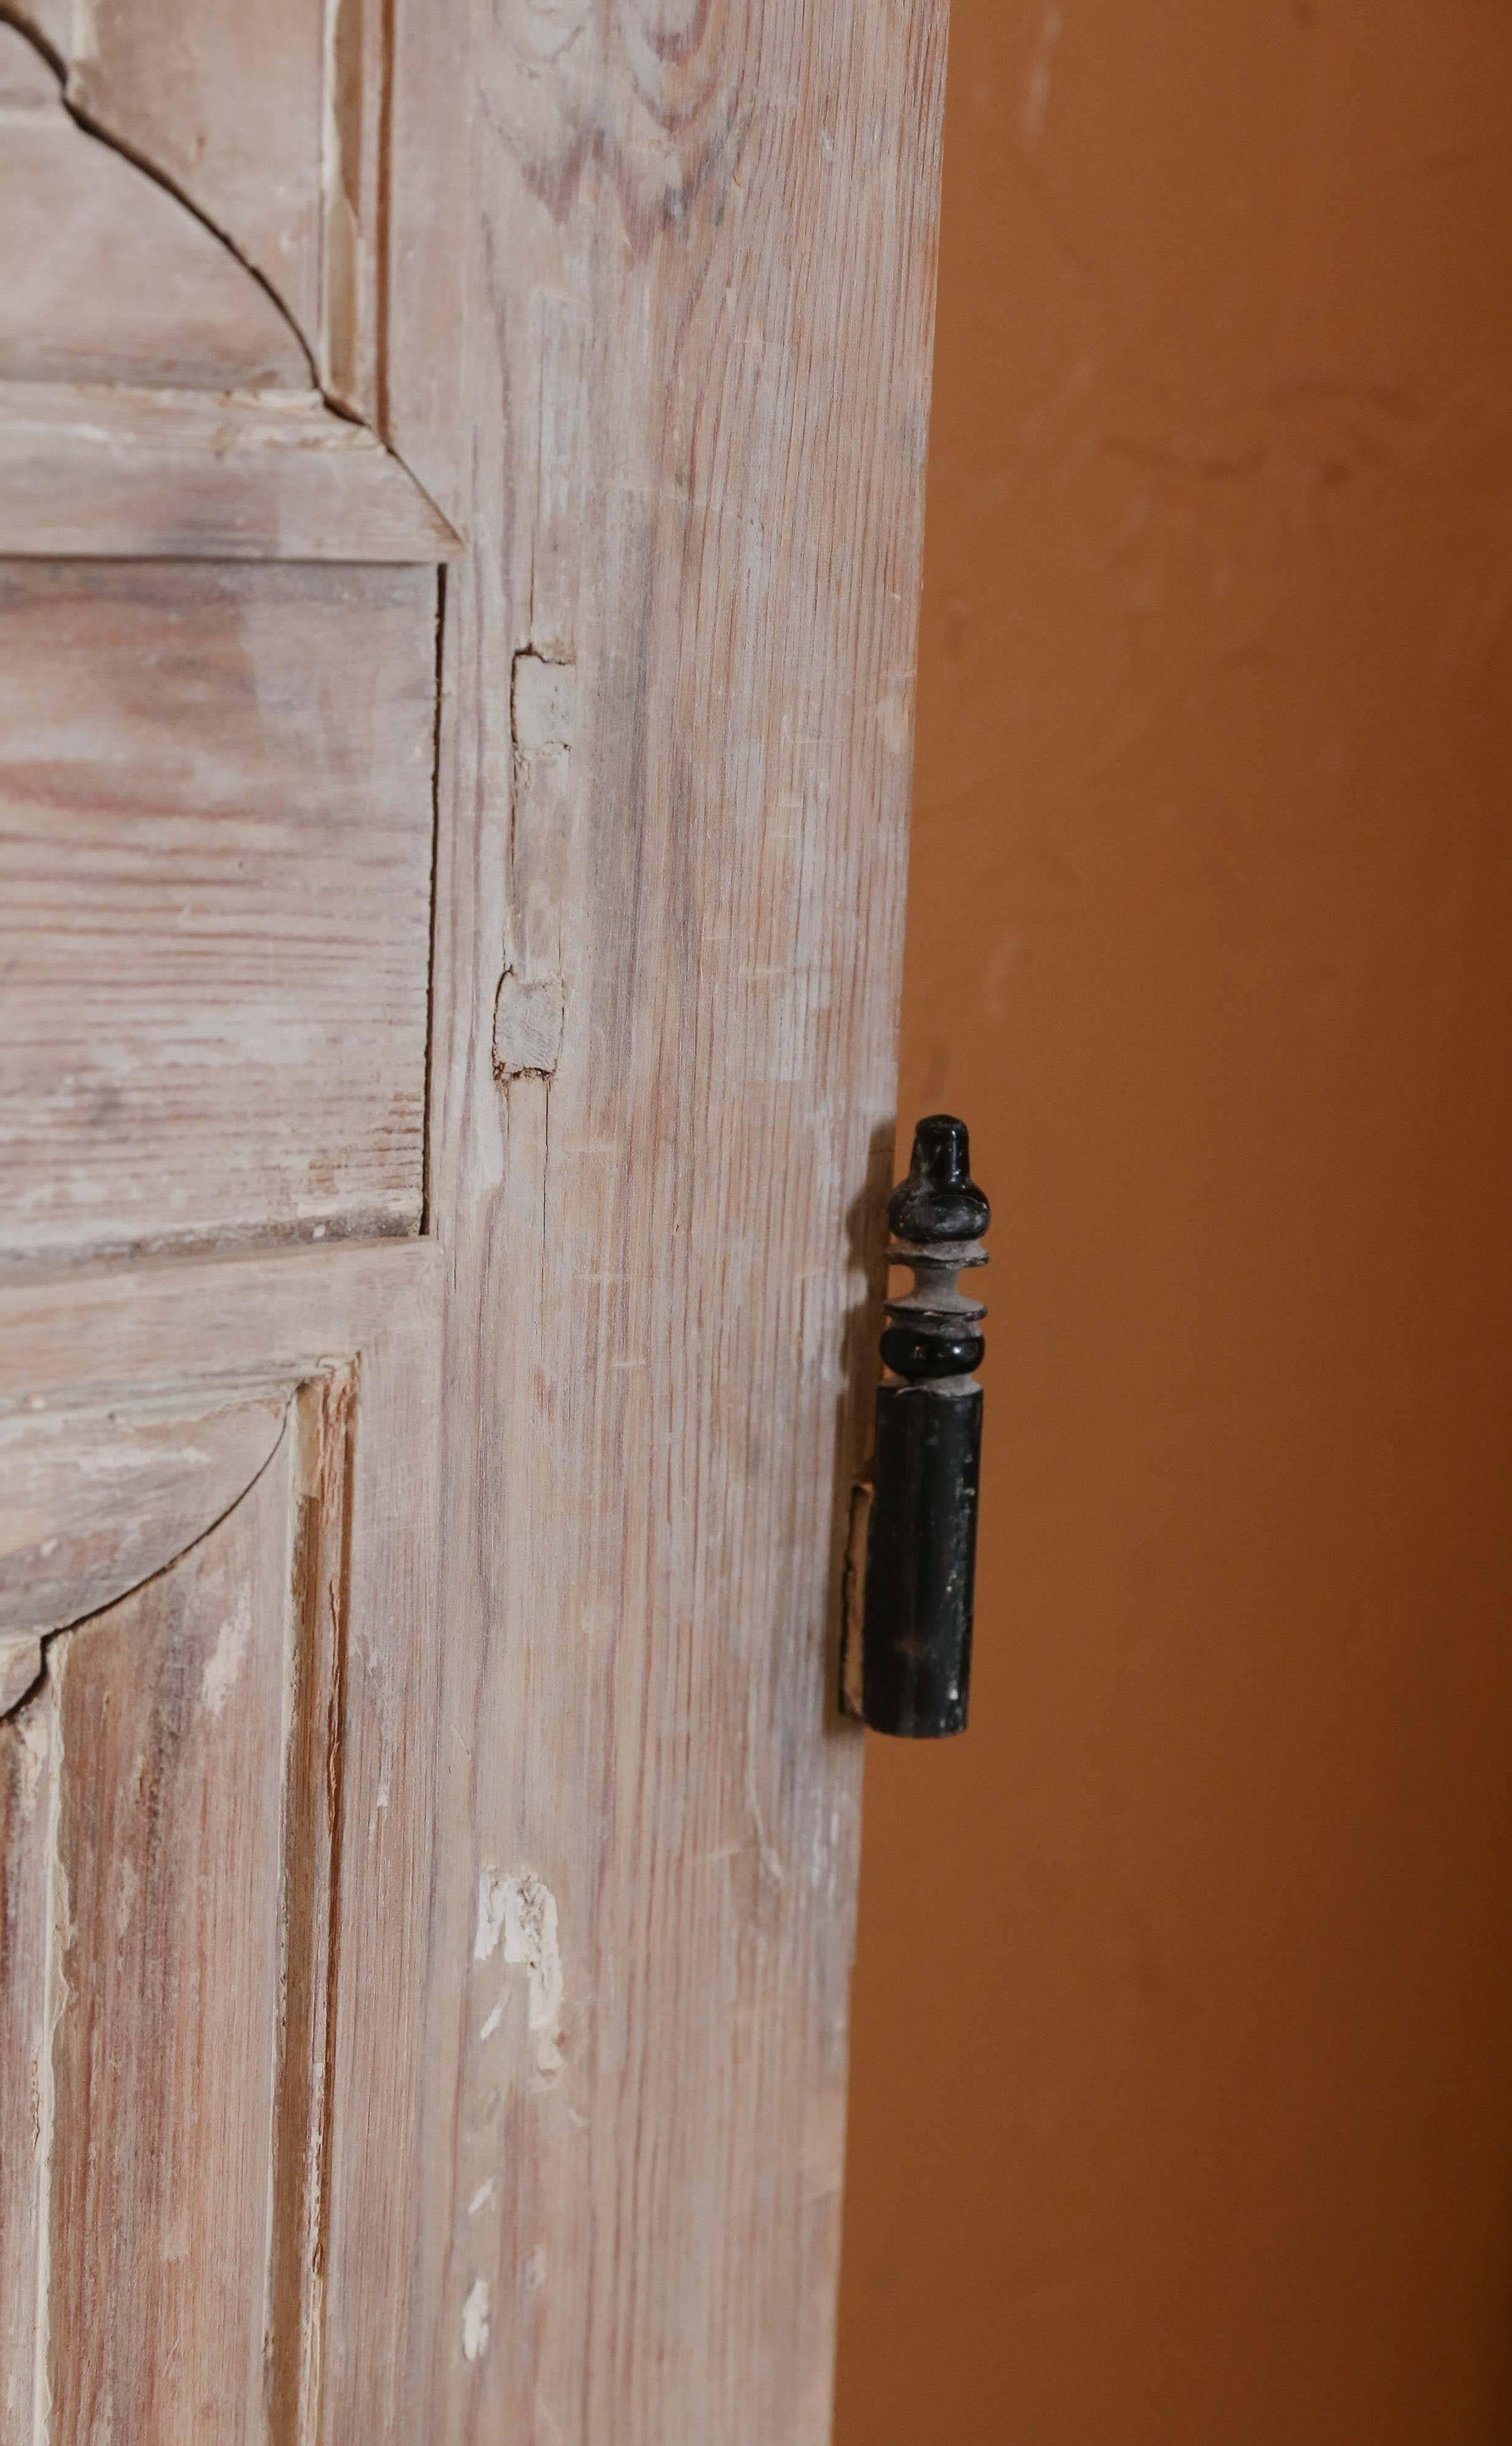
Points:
(460, 488)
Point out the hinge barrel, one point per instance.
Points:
(921, 1538)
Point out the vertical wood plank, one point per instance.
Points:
(324, 1427)
(28, 1745)
(397, 1855)
(354, 223)
(700, 288)
(164, 1990)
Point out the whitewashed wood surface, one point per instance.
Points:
(701, 268)
(215, 902)
(639, 293)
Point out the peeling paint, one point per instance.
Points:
(489, 1915)
(531, 1940)
(521, 1911)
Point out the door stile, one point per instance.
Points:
(674, 775)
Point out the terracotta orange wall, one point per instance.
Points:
(1183, 2039)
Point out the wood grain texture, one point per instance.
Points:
(225, 100)
(701, 281)
(91, 1505)
(164, 1981)
(215, 870)
(107, 277)
(324, 1429)
(424, 411)
(179, 1786)
(160, 94)
(108, 472)
(208, 1328)
(272, 119)
(355, 207)
(658, 288)
(26, 1743)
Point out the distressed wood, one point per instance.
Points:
(26, 1751)
(210, 1329)
(109, 472)
(178, 2075)
(645, 297)
(273, 119)
(324, 1425)
(215, 869)
(700, 277)
(164, 2004)
(107, 277)
(425, 413)
(184, 1814)
(355, 207)
(90, 1506)
(225, 98)
(20, 1664)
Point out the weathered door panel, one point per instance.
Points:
(179, 1776)
(482, 825)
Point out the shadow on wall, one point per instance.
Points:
(1181, 2105)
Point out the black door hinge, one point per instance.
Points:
(908, 1635)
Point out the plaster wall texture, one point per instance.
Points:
(1182, 2100)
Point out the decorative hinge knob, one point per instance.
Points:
(921, 1533)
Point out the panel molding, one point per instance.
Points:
(155, 395)
(179, 1771)
(216, 825)
(93, 1504)
(350, 1335)
(99, 471)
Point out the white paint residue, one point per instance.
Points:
(521, 1911)
(535, 2269)
(491, 2023)
(531, 1940)
(475, 2321)
(1037, 89)
(223, 1664)
(489, 1915)
(483, 2197)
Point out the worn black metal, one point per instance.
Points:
(922, 1538)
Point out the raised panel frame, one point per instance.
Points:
(348, 1339)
